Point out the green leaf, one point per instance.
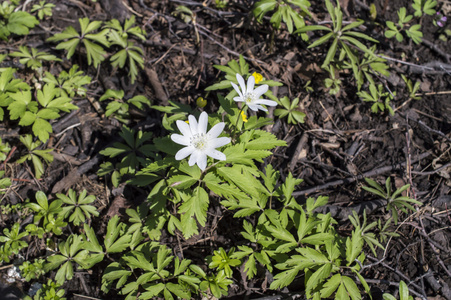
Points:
(330, 286)
(19, 22)
(113, 244)
(196, 206)
(318, 277)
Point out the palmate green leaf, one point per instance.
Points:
(114, 271)
(42, 129)
(243, 179)
(138, 260)
(246, 207)
(113, 244)
(330, 286)
(318, 277)
(264, 140)
(285, 278)
(223, 189)
(195, 208)
(20, 22)
(22, 102)
(96, 54)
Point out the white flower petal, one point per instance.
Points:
(216, 130)
(238, 99)
(180, 139)
(250, 84)
(202, 161)
(266, 102)
(241, 82)
(216, 155)
(219, 142)
(193, 158)
(253, 107)
(184, 128)
(261, 90)
(184, 152)
(237, 89)
(203, 123)
(193, 124)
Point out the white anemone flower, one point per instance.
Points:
(251, 96)
(199, 143)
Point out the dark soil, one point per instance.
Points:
(340, 143)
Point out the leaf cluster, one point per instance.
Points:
(134, 154)
(395, 30)
(14, 21)
(96, 37)
(284, 11)
(395, 200)
(381, 100)
(119, 107)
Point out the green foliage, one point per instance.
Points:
(283, 12)
(43, 9)
(395, 30)
(364, 69)
(413, 88)
(33, 270)
(79, 208)
(159, 274)
(222, 261)
(93, 41)
(4, 150)
(216, 284)
(32, 109)
(70, 251)
(119, 107)
(4, 183)
(395, 200)
(38, 113)
(35, 155)
(134, 153)
(118, 35)
(365, 231)
(12, 239)
(290, 110)
(9, 85)
(339, 35)
(14, 21)
(69, 84)
(221, 4)
(377, 95)
(116, 240)
(34, 59)
(48, 213)
(332, 83)
(424, 7)
(49, 291)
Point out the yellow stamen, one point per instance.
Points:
(244, 117)
(258, 77)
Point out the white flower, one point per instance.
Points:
(250, 96)
(199, 143)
